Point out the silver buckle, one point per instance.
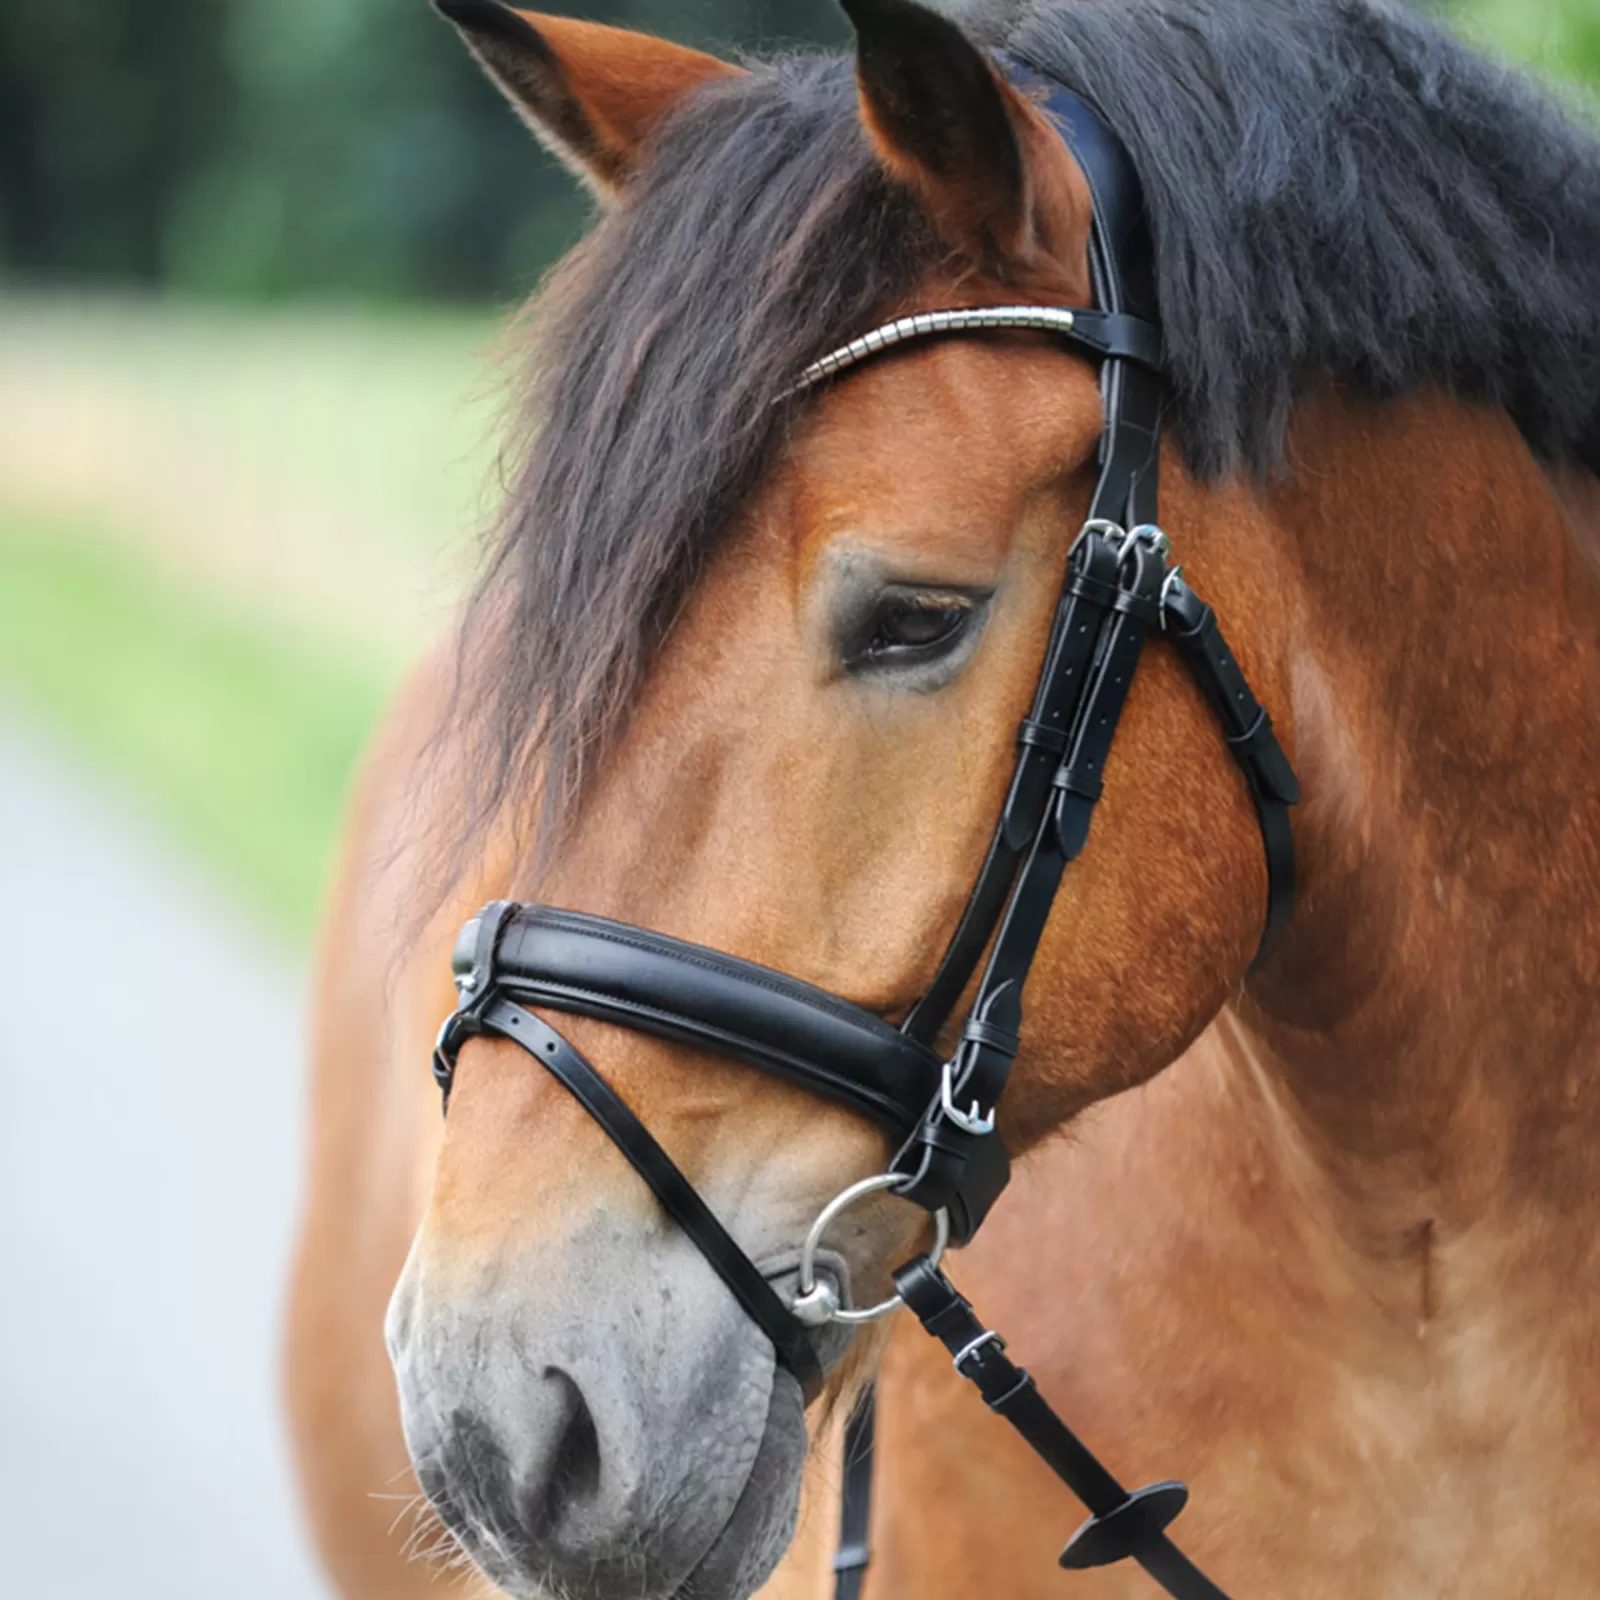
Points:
(1112, 532)
(1149, 533)
(975, 1121)
(972, 1348)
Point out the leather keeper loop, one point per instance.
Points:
(1259, 753)
(1079, 781)
(851, 1557)
(1085, 587)
(1041, 735)
(1187, 614)
(1244, 744)
(991, 1037)
(1136, 606)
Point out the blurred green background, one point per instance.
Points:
(255, 254)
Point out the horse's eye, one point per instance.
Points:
(908, 628)
(909, 636)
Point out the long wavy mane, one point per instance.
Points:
(1340, 193)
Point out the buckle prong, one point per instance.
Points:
(988, 1336)
(976, 1121)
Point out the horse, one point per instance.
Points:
(1316, 1233)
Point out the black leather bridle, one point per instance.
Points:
(1120, 588)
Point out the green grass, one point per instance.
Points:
(242, 738)
(224, 532)
(321, 466)
(385, 416)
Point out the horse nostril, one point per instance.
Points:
(572, 1471)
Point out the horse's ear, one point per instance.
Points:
(996, 181)
(593, 94)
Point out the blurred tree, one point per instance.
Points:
(1559, 37)
(262, 147)
(104, 110)
(269, 147)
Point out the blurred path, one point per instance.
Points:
(150, 1062)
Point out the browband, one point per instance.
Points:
(1103, 334)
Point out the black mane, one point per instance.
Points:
(1341, 191)
(1338, 191)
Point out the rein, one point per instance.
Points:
(1120, 589)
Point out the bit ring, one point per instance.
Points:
(818, 1302)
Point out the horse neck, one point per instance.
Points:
(1431, 1031)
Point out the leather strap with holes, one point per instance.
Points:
(1125, 1525)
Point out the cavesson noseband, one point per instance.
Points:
(940, 1111)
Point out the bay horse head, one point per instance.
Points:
(747, 671)
(842, 599)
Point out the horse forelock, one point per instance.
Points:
(1338, 192)
(659, 355)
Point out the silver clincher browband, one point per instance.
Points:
(1100, 333)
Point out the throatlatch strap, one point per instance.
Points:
(1192, 626)
(854, 1554)
(1125, 1525)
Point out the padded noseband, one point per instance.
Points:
(668, 987)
